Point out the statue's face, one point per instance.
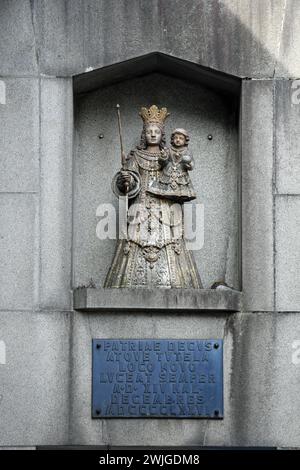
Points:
(153, 134)
(179, 140)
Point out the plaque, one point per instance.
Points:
(157, 378)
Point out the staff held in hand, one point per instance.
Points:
(125, 175)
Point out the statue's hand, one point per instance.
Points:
(124, 181)
(163, 157)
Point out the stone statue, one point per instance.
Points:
(174, 182)
(155, 180)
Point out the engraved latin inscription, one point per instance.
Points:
(157, 378)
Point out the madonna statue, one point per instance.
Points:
(154, 252)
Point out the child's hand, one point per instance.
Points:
(163, 153)
(163, 158)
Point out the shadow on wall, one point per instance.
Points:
(212, 33)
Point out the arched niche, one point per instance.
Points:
(206, 103)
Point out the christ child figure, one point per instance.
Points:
(174, 182)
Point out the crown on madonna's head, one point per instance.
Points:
(153, 114)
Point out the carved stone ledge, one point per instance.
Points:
(157, 300)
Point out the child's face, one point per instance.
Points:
(179, 140)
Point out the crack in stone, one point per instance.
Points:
(280, 37)
(31, 3)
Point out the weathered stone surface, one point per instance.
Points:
(289, 41)
(287, 115)
(18, 251)
(34, 383)
(215, 176)
(251, 379)
(285, 386)
(18, 49)
(184, 300)
(265, 378)
(240, 37)
(260, 381)
(236, 36)
(138, 431)
(287, 253)
(19, 141)
(56, 192)
(260, 388)
(257, 197)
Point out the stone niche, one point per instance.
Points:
(204, 102)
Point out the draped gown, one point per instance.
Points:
(154, 253)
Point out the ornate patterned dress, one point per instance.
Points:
(154, 253)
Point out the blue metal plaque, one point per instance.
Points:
(152, 378)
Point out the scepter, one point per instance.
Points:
(123, 157)
(126, 184)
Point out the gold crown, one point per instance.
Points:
(153, 114)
